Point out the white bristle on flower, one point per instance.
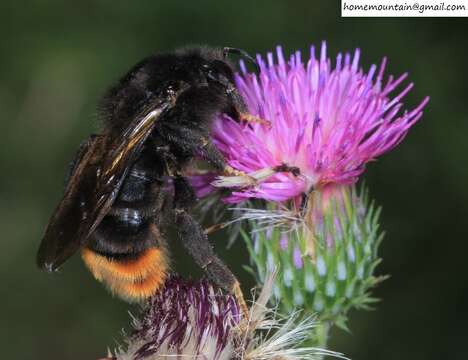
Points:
(269, 218)
(267, 336)
(280, 338)
(249, 179)
(284, 338)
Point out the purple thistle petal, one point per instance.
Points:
(328, 122)
(186, 312)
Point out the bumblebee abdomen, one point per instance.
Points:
(131, 224)
(127, 251)
(122, 235)
(133, 278)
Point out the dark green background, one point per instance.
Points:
(58, 57)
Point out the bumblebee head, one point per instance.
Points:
(229, 50)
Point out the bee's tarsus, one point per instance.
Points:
(213, 228)
(247, 180)
(254, 119)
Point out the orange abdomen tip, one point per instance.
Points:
(134, 279)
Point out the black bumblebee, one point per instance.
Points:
(118, 202)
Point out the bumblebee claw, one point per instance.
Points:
(213, 228)
(245, 313)
(230, 171)
(240, 178)
(253, 119)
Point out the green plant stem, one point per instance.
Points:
(321, 334)
(319, 338)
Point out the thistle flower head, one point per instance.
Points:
(327, 260)
(193, 320)
(328, 121)
(185, 319)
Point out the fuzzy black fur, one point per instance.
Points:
(207, 80)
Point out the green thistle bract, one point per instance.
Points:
(326, 252)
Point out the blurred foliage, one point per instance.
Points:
(57, 57)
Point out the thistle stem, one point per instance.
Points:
(321, 334)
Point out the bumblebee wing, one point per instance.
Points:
(60, 240)
(94, 183)
(116, 163)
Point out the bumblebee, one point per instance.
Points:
(127, 184)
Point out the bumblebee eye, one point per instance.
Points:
(223, 70)
(206, 69)
(209, 72)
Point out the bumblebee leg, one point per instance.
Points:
(210, 153)
(196, 242)
(201, 145)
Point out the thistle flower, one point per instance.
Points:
(185, 319)
(194, 320)
(329, 122)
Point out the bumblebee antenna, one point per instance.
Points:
(243, 53)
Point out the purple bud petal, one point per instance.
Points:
(297, 258)
(284, 241)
